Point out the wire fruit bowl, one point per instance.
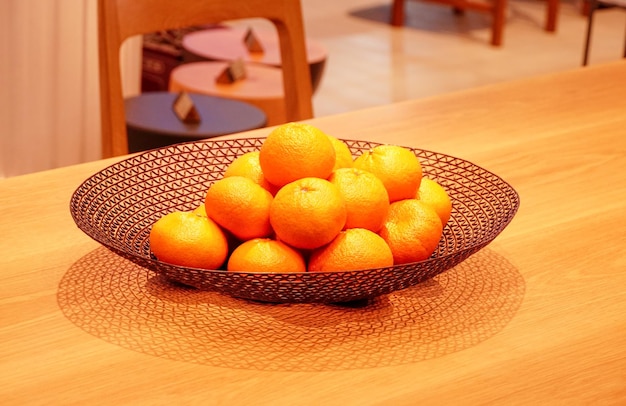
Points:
(118, 205)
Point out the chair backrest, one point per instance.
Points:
(119, 20)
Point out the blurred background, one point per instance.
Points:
(49, 108)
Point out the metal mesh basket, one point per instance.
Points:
(118, 205)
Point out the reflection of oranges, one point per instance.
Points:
(265, 255)
(295, 150)
(412, 230)
(355, 248)
(241, 206)
(397, 167)
(343, 156)
(366, 198)
(248, 166)
(433, 194)
(187, 239)
(308, 213)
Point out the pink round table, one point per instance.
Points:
(262, 87)
(227, 44)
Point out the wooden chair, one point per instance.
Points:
(497, 9)
(119, 20)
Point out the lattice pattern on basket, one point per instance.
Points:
(118, 205)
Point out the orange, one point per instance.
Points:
(397, 167)
(412, 230)
(433, 194)
(366, 198)
(249, 166)
(355, 248)
(294, 151)
(186, 239)
(200, 210)
(230, 238)
(343, 156)
(265, 255)
(308, 213)
(241, 206)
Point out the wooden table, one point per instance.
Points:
(537, 317)
(262, 87)
(228, 44)
(151, 121)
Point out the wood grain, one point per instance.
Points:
(559, 294)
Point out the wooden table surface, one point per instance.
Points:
(537, 317)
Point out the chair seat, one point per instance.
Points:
(152, 123)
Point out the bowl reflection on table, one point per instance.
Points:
(118, 205)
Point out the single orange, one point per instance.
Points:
(294, 151)
(249, 166)
(308, 213)
(266, 255)
(352, 249)
(187, 239)
(433, 194)
(366, 198)
(230, 238)
(412, 230)
(343, 156)
(397, 167)
(241, 206)
(200, 210)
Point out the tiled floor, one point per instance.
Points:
(371, 63)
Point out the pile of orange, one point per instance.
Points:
(303, 203)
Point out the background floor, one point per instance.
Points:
(371, 63)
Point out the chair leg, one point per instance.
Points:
(397, 13)
(553, 11)
(593, 4)
(497, 28)
(624, 48)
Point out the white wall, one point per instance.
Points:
(49, 98)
